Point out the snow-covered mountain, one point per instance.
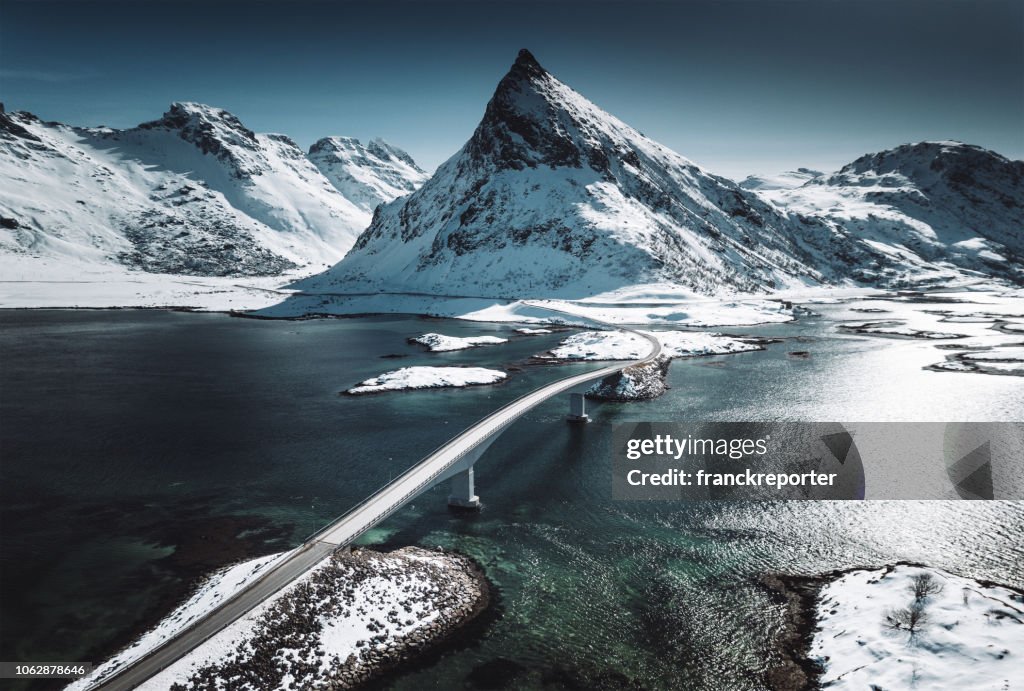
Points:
(785, 180)
(923, 208)
(195, 192)
(367, 175)
(552, 196)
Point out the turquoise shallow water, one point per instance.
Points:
(142, 449)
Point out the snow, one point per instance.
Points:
(533, 332)
(428, 378)
(554, 198)
(621, 345)
(974, 636)
(656, 304)
(583, 206)
(926, 211)
(368, 175)
(438, 343)
(780, 181)
(194, 193)
(888, 328)
(1004, 354)
(219, 587)
(391, 596)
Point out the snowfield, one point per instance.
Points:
(439, 343)
(656, 304)
(428, 378)
(620, 345)
(973, 636)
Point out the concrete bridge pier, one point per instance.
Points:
(577, 409)
(463, 492)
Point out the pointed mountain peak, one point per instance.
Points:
(527, 64)
(534, 119)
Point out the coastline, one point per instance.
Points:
(797, 595)
(797, 668)
(355, 617)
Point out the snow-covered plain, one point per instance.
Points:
(621, 345)
(428, 378)
(655, 304)
(438, 343)
(973, 637)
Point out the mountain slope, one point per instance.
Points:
(367, 175)
(195, 192)
(553, 196)
(923, 206)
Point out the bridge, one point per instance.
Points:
(453, 460)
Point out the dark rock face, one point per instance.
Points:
(10, 128)
(639, 383)
(520, 130)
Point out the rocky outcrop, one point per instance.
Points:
(395, 606)
(637, 383)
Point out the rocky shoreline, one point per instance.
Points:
(808, 604)
(359, 616)
(794, 670)
(636, 383)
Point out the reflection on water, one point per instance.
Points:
(146, 448)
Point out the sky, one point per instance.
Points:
(738, 86)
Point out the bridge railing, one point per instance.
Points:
(505, 421)
(501, 423)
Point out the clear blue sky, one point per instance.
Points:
(737, 86)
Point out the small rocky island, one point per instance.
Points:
(636, 383)
(350, 619)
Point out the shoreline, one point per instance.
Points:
(796, 669)
(360, 615)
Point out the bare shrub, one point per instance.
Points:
(910, 619)
(924, 586)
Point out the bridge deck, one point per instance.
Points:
(354, 523)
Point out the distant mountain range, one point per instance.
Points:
(195, 192)
(551, 196)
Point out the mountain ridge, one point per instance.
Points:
(194, 192)
(553, 197)
(560, 189)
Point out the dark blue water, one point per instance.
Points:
(142, 449)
